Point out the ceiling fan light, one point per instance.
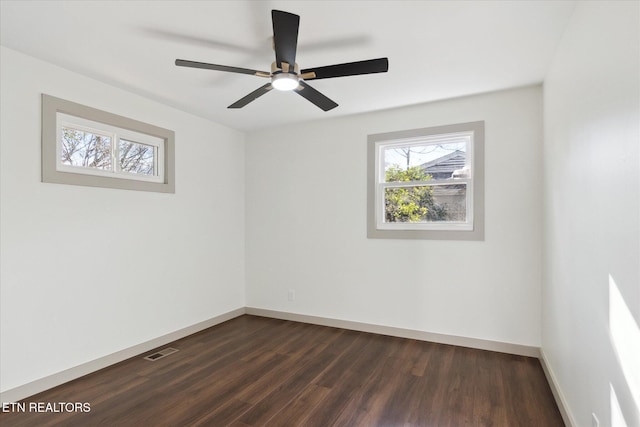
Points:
(284, 81)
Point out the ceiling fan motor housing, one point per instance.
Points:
(284, 78)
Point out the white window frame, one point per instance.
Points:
(116, 134)
(58, 113)
(472, 134)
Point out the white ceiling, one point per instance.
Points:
(436, 49)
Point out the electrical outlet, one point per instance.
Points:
(594, 420)
(292, 294)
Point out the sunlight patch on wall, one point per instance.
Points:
(625, 337)
(617, 419)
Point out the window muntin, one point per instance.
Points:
(89, 147)
(427, 183)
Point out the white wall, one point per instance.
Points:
(592, 214)
(306, 226)
(90, 271)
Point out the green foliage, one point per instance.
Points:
(397, 174)
(411, 204)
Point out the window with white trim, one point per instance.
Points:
(427, 183)
(88, 147)
(85, 146)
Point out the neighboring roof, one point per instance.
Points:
(445, 164)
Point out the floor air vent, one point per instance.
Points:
(160, 354)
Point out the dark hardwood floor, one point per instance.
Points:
(254, 371)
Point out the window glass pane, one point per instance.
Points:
(426, 204)
(438, 161)
(85, 149)
(453, 200)
(136, 157)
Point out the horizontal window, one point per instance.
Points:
(85, 146)
(92, 148)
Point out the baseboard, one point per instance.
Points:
(561, 401)
(42, 384)
(481, 344)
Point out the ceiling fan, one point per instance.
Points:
(285, 73)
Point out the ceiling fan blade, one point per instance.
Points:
(252, 96)
(314, 96)
(194, 64)
(370, 66)
(285, 36)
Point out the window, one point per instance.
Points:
(427, 183)
(92, 148)
(85, 146)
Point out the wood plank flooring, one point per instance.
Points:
(254, 371)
